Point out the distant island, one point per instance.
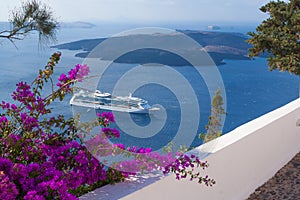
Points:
(219, 45)
(212, 27)
(77, 24)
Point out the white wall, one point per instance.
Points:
(240, 161)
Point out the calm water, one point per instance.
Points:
(250, 88)
(251, 91)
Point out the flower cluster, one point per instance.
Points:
(184, 165)
(28, 122)
(3, 122)
(105, 118)
(109, 132)
(26, 96)
(78, 73)
(7, 187)
(47, 168)
(23, 93)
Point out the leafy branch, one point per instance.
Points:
(32, 16)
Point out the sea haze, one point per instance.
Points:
(250, 88)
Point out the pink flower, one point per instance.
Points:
(111, 132)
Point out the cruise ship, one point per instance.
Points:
(105, 101)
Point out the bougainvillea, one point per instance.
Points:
(43, 156)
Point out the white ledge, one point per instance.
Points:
(240, 161)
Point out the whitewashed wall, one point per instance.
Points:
(240, 161)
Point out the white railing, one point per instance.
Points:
(240, 161)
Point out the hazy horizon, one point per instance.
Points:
(149, 12)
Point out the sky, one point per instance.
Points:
(132, 11)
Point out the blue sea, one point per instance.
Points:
(251, 89)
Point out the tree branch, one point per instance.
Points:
(32, 16)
